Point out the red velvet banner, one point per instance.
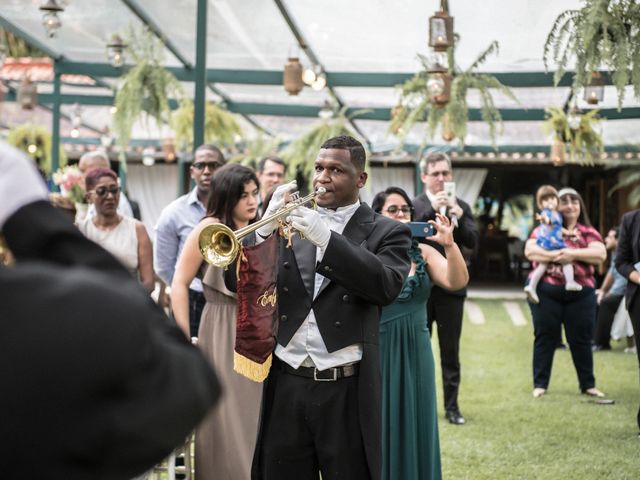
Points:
(257, 309)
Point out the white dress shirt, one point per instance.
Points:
(306, 347)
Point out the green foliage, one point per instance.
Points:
(146, 87)
(415, 105)
(602, 33)
(255, 150)
(300, 155)
(16, 47)
(220, 126)
(29, 134)
(629, 176)
(583, 141)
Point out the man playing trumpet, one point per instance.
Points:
(321, 409)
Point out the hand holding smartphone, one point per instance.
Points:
(422, 229)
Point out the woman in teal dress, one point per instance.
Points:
(410, 444)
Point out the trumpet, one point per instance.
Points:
(220, 246)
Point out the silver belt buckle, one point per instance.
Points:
(315, 376)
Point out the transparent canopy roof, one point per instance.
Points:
(358, 36)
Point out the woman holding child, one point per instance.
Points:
(558, 305)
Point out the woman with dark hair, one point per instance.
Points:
(124, 237)
(225, 441)
(576, 310)
(410, 444)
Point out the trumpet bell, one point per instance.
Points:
(218, 245)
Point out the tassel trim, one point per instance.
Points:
(252, 370)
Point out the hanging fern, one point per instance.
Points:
(415, 106)
(630, 176)
(220, 126)
(300, 155)
(256, 150)
(146, 87)
(28, 134)
(602, 33)
(584, 141)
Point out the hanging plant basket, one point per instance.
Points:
(583, 142)
(35, 141)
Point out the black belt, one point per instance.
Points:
(328, 375)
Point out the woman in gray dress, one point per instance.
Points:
(225, 440)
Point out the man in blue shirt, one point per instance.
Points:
(609, 296)
(178, 219)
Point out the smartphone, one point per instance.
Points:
(422, 229)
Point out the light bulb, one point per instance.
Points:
(435, 86)
(51, 24)
(75, 133)
(148, 156)
(319, 83)
(113, 110)
(309, 76)
(32, 148)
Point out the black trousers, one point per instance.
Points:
(607, 310)
(310, 427)
(447, 310)
(196, 305)
(634, 313)
(577, 312)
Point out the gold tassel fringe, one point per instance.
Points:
(252, 370)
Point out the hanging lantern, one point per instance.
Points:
(439, 85)
(293, 76)
(327, 111)
(115, 51)
(148, 156)
(447, 133)
(27, 94)
(594, 92)
(574, 119)
(441, 30)
(50, 18)
(169, 150)
(558, 153)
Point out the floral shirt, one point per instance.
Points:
(582, 272)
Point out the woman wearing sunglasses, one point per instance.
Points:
(124, 237)
(410, 444)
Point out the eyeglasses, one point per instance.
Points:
(445, 173)
(102, 191)
(393, 209)
(201, 165)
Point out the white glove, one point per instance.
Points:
(276, 203)
(20, 182)
(311, 225)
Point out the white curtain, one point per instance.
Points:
(153, 188)
(382, 177)
(469, 182)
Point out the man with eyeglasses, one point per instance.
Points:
(446, 307)
(178, 219)
(270, 174)
(97, 159)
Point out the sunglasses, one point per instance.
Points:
(393, 209)
(201, 165)
(102, 191)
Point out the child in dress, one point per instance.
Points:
(549, 237)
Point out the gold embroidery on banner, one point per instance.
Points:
(267, 298)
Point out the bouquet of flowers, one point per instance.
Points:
(71, 183)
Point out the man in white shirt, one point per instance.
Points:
(321, 409)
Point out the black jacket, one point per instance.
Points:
(97, 382)
(628, 252)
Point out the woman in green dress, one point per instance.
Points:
(410, 445)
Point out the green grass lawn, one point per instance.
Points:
(511, 435)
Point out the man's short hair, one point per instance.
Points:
(96, 155)
(355, 148)
(432, 158)
(212, 148)
(271, 158)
